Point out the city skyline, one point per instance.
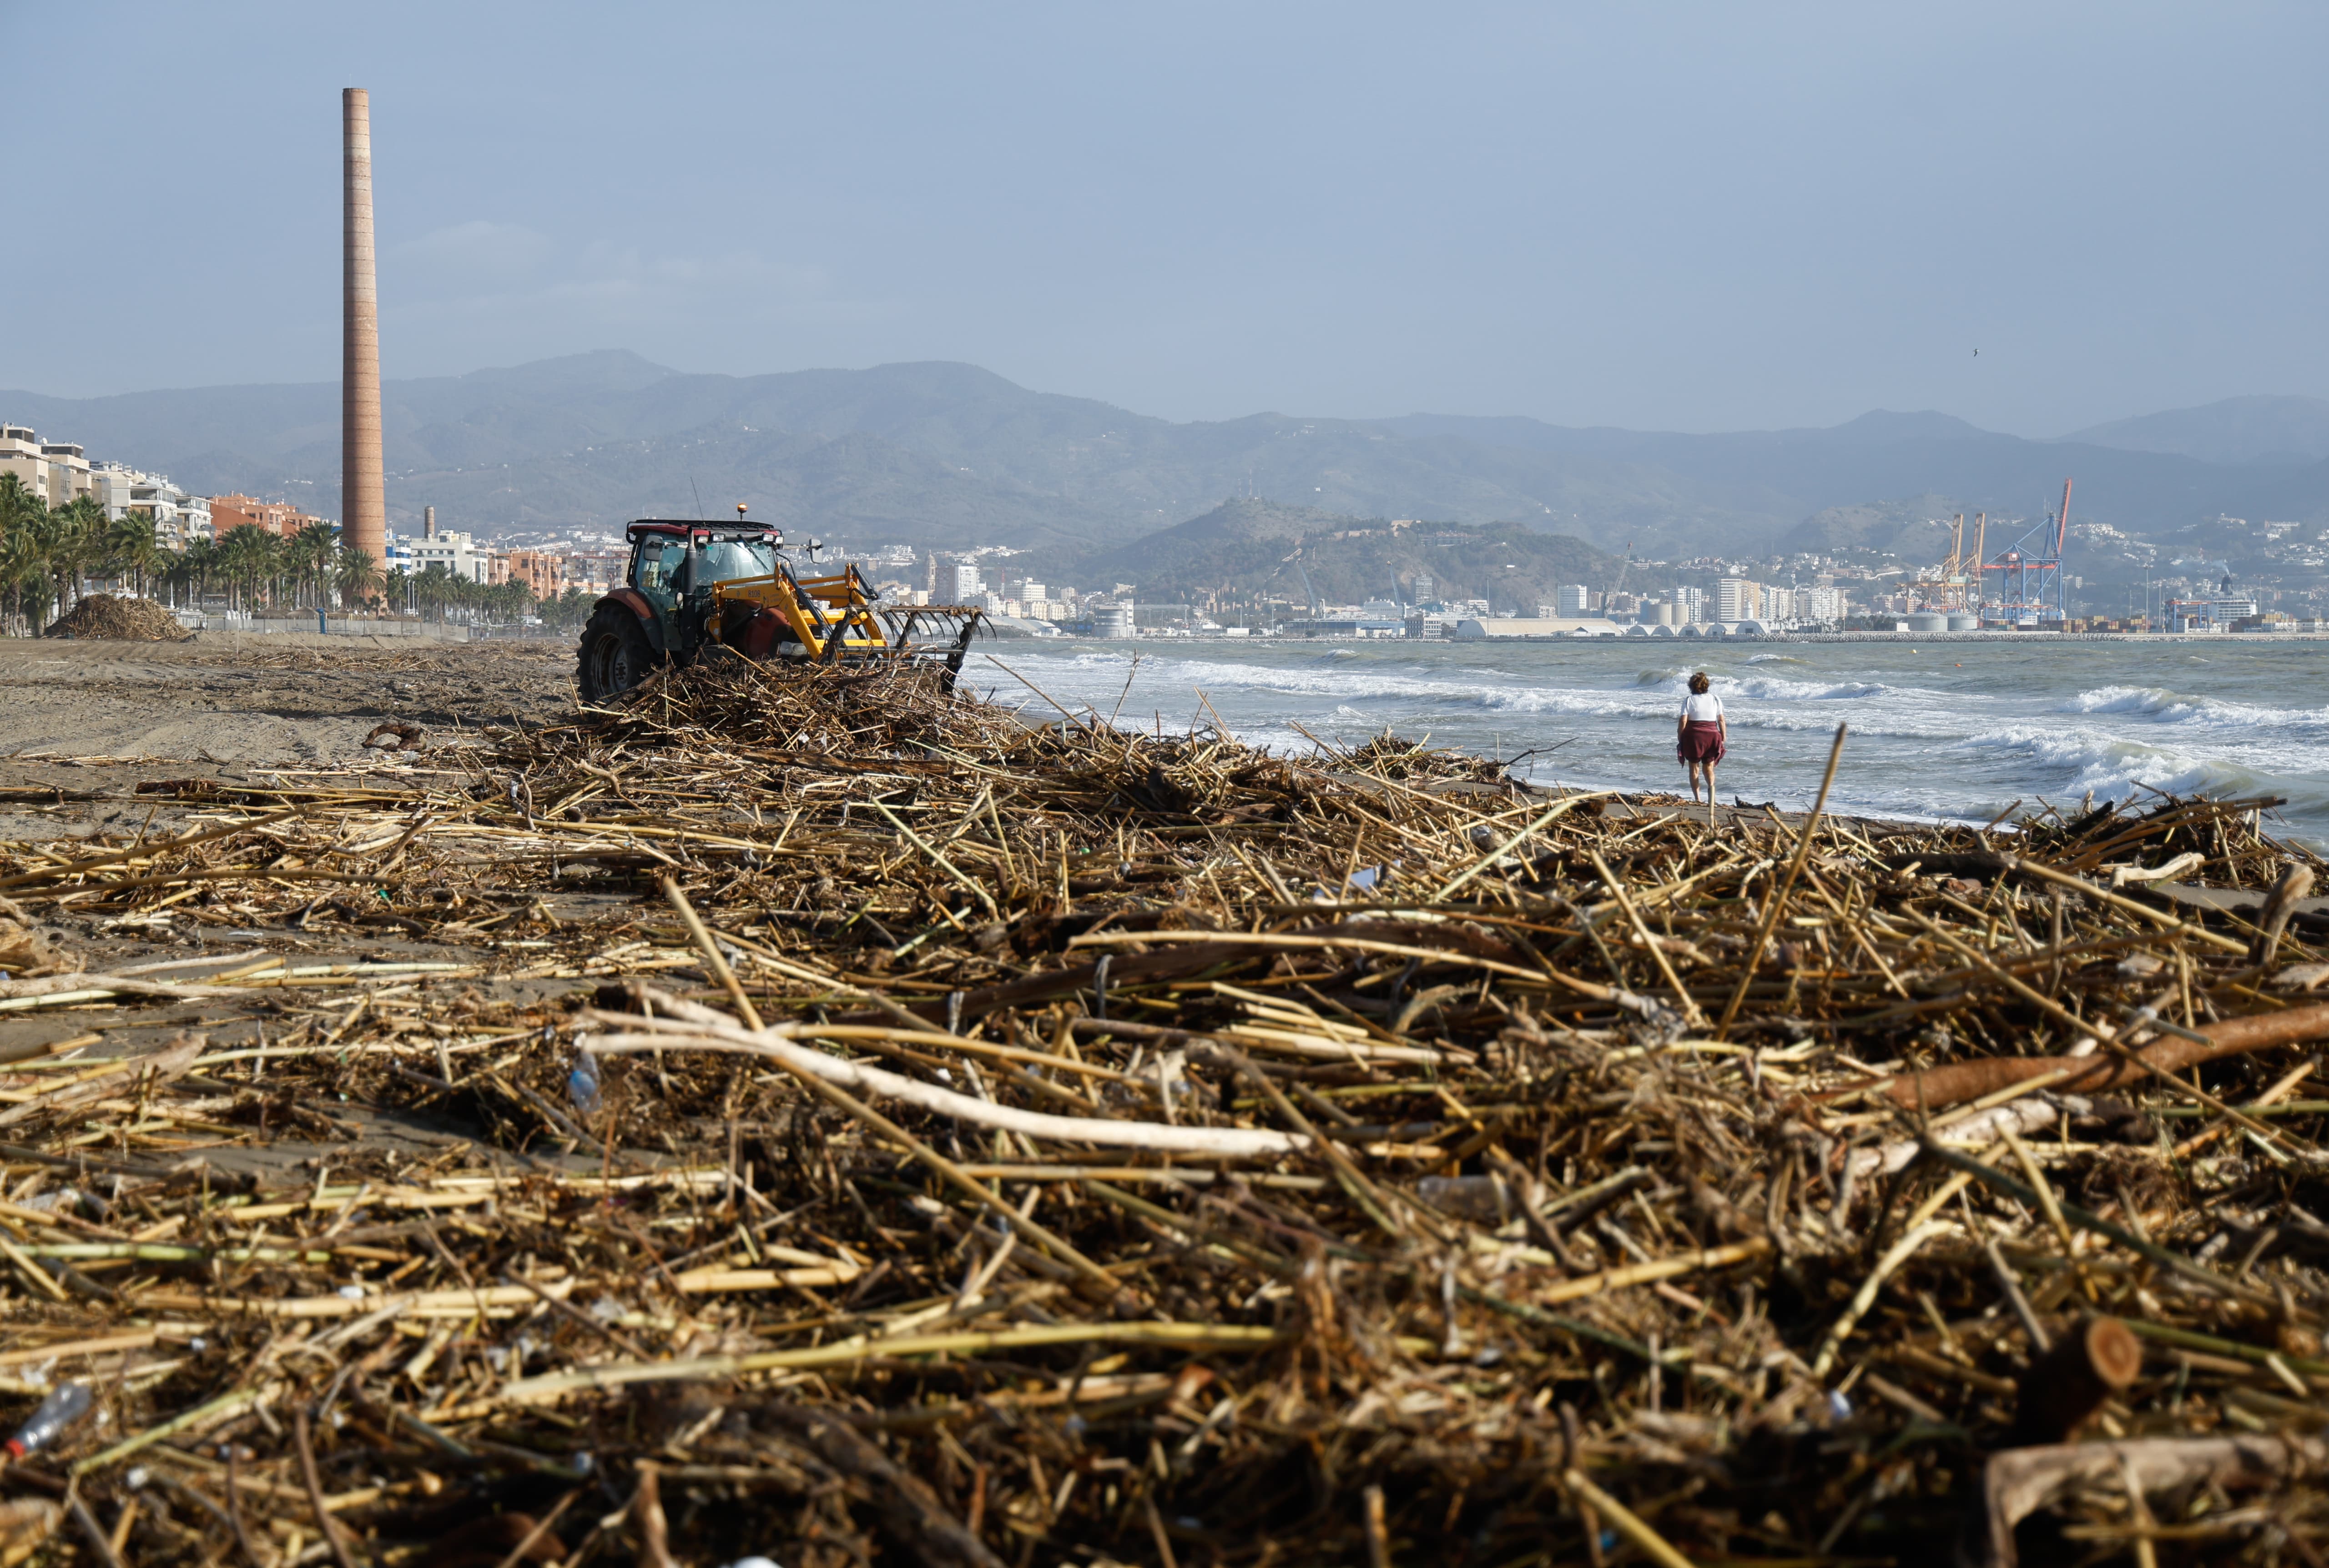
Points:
(1689, 220)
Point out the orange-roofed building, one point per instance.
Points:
(228, 512)
(538, 569)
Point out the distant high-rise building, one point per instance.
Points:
(1827, 604)
(1737, 599)
(958, 583)
(1573, 599)
(1426, 590)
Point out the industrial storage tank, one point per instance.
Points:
(1926, 621)
(1963, 621)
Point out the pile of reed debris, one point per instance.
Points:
(886, 1129)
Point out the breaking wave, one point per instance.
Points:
(2158, 703)
(1954, 741)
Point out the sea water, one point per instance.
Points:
(1950, 730)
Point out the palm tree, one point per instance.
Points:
(435, 588)
(198, 568)
(569, 609)
(309, 554)
(248, 561)
(76, 542)
(132, 547)
(357, 578)
(21, 563)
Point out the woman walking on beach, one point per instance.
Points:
(1701, 737)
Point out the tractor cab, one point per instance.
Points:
(676, 567)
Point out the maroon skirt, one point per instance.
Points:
(1700, 743)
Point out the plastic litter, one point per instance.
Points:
(58, 1411)
(1480, 1198)
(582, 1084)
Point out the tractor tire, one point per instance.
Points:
(614, 656)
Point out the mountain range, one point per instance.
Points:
(1249, 549)
(939, 454)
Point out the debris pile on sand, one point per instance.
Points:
(25, 949)
(965, 1142)
(122, 620)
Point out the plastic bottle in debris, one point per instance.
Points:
(582, 1084)
(58, 1411)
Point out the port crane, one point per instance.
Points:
(2030, 572)
(1609, 598)
(1957, 585)
(1308, 592)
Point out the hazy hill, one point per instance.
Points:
(1245, 546)
(1789, 474)
(1915, 530)
(942, 454)
(2269, 430)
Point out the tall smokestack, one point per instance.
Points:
(428, 522)
(363, 504)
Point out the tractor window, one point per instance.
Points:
(725, 560)
(659, 561)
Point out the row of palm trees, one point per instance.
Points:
(49, 556)
(254, 569)
(438, 595)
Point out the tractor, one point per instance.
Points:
(692, 586)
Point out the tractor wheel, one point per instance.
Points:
(615, 655)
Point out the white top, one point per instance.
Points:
(1702, 708)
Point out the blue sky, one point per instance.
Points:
(1676, 216)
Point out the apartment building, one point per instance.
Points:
(458, 553)
(1826, 604)
(594, 572)
(56, 472)
(538, 569)
(228, 512)
(179, 517)
(1737, 599)
(958, 583)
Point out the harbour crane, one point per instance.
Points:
(1608, 599)
(1307, 591)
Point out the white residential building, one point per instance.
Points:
(179, 518)
(1737, 599)
(1827, 606)
(458, 553)
(1573, 599)
(958, 583)
(56, 472)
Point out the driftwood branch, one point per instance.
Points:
(2019, 1482)
(1938, 1088)
(697, 1027)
